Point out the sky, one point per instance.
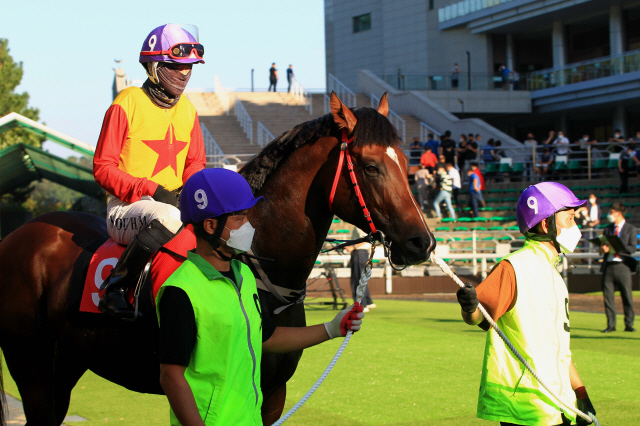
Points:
(68, 49)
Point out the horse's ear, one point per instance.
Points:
(383, 107)
(342, 115)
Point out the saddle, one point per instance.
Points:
(163, 264)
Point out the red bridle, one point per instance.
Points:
(344, 151)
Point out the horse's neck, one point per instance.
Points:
(293, 221)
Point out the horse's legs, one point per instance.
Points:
(69, 368)
(31, 365)
(273, 404)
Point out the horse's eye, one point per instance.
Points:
(372, 170)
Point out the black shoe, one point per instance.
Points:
(609, 329)
(630, 329)
(115, 303)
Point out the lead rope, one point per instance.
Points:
(362, 285)
(445, 268)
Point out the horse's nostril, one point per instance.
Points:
(417, 244)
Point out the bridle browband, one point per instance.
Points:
(344, 152)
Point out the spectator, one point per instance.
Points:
(504, 73)
(624, 167)
(441, 158)
(424, 182)
(636, 138)
(455, 75)
(529, 147)
(477, 172)
(456, 183)
(488, 153)
(429, 159)
(563, 144)
(583, 144)
(617, 136)
(434, 144)
(448, 148)
(617, 269)
(445, 185)
(551, 138)
(273, 77)
(498, 149)
(472, 148)
(415, 152)
(474, 188)
(515, 80)
(546, 159)
(462, 151)
(290, 77)
(589, 216)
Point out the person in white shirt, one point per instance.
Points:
(456, 183)
(563, 144)
(424, 181)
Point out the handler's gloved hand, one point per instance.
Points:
(167, 197)
(468, 298)
(584, 405)
(347, 319)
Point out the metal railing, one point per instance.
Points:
(302, 96)
(584, 71)
(466, 7)
(264, 135)
(425, 129)
(445, 80)
(343, 92)
(243, 117)
(221, 93)
(211, 147)
(394, 118)
(228, 161)
(327, 104)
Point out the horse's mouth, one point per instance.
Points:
(414, 250)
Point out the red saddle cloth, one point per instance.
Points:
(163, 265)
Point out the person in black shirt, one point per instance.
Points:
(273, 77)
(462, 150)
(448, 148)
(289, 77)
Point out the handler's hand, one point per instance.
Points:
(167, 197)
(584, 405)
(604, 248)
(468, 298)
(347, 319)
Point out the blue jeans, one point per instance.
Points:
(473, 202)
(446, 197)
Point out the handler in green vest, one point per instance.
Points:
(213, 327)
(528, 299)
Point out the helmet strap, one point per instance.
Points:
(551, 234)
(215, 238)
(152, 71)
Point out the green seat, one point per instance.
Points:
(491, 168)
(518, 167)
(606, 204)
(509, 218)
(627, 195)
(318, 262)
(503, 208)
(512, 228)
(603, 225)
(460, 228)
(331, 231)
(479, 228)
(608, 187)
(466, 209)
(505, 168)
(574, 165)
(579, 188)
(612, 164)
(443, 228)
(343, 231)
(486, 209)
(600, 163)
(468, 239)
(593, 187)
(336, 221)
(493, 200)
(464, 219)
(511, 190)
(376, 260)
(496, 218)
(495, 228)
(487, 239)
(454, 239)
(504, 238)
(627, 215)
(448, 220)
(521, 237)
(510, 200)
(439, 239)
(480, 219)
(494, 190)
(559, 166)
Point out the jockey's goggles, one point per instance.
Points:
(180, 51)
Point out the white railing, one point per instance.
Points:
(302, 96)
(343, 92)
(221, 93)
(327, 104)
(394, 118)
(425, 129)
(264, 135)
(243, 117)
(211, 147)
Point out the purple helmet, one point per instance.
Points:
(172, 43)
(214, 192)
(541, 200)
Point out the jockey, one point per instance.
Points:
(150, 144)
(213, 326)
(528, 299)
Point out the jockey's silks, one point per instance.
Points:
(142, 146)
(538, 327)
(224, 370)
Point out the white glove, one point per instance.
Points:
(347, 319)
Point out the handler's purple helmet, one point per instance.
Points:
(160, 44)
(541, 200)
(214, 192)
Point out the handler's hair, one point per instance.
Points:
(619, 207)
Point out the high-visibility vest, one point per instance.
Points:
(224, 370)
(538, 326)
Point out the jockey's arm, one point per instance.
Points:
(196, 158)
(180, 395)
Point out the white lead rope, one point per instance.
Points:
(362, 285)
(445, 268)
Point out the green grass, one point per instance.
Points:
(636, 293)
(414, 363)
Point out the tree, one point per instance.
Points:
(10, 77)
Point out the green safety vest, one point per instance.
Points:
(224, 370)
(538, 326)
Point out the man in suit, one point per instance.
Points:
(617, 269)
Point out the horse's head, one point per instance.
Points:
(381, 169)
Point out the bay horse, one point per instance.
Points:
(48, 345)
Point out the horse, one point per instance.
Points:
(48, 345)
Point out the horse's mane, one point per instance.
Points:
(372, 128)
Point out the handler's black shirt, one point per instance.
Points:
(178, 330)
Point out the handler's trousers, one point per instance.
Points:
(617, 273)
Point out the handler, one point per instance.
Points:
(149, 145)
(213, 327)
(528, 299)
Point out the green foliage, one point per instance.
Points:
(47, 196)
(10, 77)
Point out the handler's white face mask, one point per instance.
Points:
(568, 238)
(240, 239)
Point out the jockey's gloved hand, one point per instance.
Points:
(584, 404)
(347, 319)
(167, 197)
(468, 298)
